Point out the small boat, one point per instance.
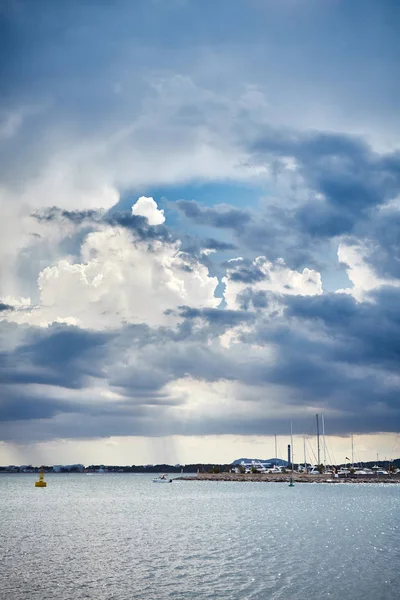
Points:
(162, 479)
(275, 470)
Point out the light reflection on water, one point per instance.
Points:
(120, 537)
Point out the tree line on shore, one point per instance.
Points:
(165, 468)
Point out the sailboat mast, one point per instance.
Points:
(304, 448)
(323, 437)
(318, 448)
(352, 451)
(291, 441)
(276, 449)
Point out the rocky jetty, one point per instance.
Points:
(285, 478)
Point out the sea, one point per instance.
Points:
(122, 537)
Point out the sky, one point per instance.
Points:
(200, 229)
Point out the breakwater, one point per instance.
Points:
(285, 478)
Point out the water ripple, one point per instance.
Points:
(119, 537)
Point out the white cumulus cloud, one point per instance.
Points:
(120, 279)
(360, 273)
(147, 207)
(275, 277)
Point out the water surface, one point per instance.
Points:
(121, 537)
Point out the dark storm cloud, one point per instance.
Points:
(140, 226)
(327, 373)
(329, 351)
(63, 346)
(256, 299)
(245, 271)
(137, 223)
(275, 232)
(4, 307)
(351, 177)
(366, 334)
(217, 245)
(214, 316)
(60, 356)
(381, 236)
(345, 181)
(53, 214)
(66, 358)
(222, 216)
(19, 406)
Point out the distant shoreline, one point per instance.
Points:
(285, 478)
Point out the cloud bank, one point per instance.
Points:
(200, 226)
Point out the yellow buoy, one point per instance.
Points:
(41, 482)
